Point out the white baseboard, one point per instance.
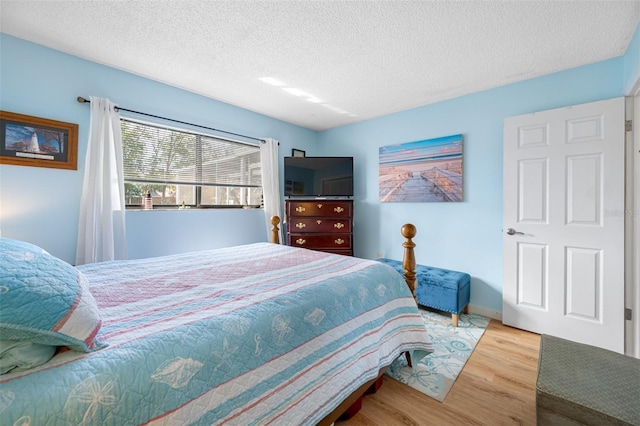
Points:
(496, 315)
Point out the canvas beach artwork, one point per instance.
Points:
(422, 171)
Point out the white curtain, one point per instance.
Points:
(101, 228)
(270, 183)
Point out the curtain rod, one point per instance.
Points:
(87, 101)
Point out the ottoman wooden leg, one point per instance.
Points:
(454, 319)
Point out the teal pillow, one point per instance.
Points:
(20, 356)
(45, 300)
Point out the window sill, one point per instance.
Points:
(171, 208)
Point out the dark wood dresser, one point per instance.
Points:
(323, 225)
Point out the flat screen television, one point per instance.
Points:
(318, 176)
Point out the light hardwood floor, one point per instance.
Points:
(496, 387)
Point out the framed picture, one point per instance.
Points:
(297, 153)
(421, 171)
(38, 142)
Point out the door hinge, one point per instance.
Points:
(628, 125)
(627, 314)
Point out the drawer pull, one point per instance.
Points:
(301, 241)
(339, 225)
(300, 225)
(339, 241)
(338, 210)
(319, 206)
(318, 221)
(300, 209)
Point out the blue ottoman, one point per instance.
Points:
(440, 289)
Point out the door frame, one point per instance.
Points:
(632, 269)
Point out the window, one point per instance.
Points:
(182, 168)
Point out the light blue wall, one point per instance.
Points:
(632, 62)
(464, 236)
(41, 205)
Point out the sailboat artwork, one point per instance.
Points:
(422, 171)
(39, 142)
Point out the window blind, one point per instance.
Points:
(160, 155)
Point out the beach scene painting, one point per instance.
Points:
(423, 171)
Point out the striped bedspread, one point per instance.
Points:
(253, 334)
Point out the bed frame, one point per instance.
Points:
(350, 406)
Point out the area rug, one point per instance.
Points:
(435, 374)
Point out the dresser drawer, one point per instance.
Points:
(319, 208)
(318, 225)
(336, 251)
(320, 241)
(322, 225)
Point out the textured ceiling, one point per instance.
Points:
(353, 60)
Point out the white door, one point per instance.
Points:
(563, 223)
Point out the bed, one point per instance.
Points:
(253, 334)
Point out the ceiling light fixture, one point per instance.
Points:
(272, 81)
(295, 92)
(301, 93)
(335, 109)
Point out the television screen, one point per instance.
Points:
(318, 176)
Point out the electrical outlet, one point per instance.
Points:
(379, 255)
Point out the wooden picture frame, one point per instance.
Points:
(298, 153)
(38, 142)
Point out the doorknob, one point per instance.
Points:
(511, 231)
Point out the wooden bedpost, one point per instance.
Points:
(409, 260)
(275, 231)
(409, 265)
